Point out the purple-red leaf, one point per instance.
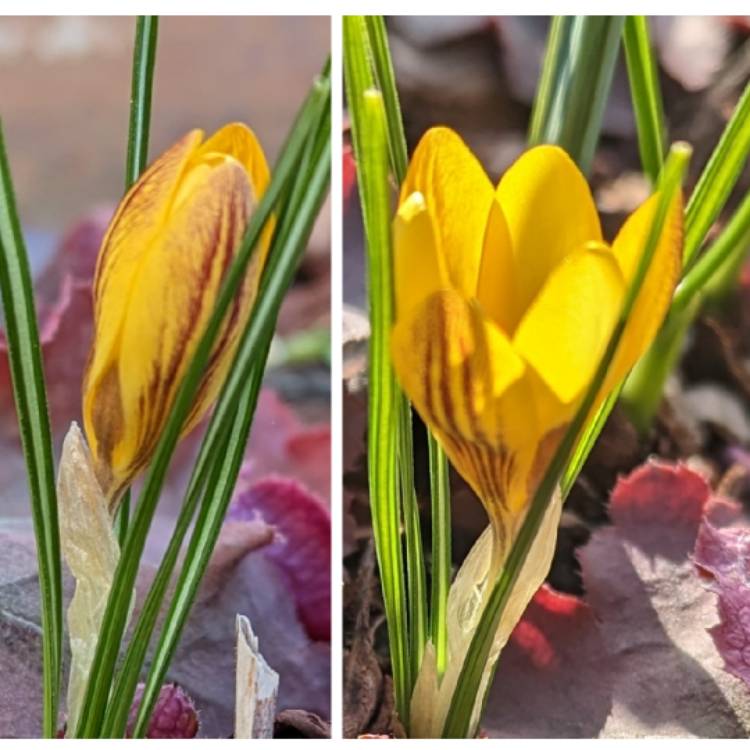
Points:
(724, 555)
(301, 547)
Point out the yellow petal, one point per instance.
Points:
(496, 289)
(141, 214)
(418, 269)
(458, 195)
(566, 329)
(455, 364)
(550, 213)
(156, 286)
(658, 286)
(239, 142)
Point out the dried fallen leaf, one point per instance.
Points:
(257, 687)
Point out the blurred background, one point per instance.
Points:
(66, 95)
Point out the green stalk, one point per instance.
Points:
(441, 552)
(29, 393)
(587, 441)
(122, 519)
(645, 385)
(646, 95)
(576, 78)
(384, 79)
(415, 566)
(727, 252)
(369, 135)
(233, 414)
(546, 92)
(717, 180)
(458, 722)
(144, 57)
(115, 617)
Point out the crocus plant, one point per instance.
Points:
(506, 299)
(159, 271)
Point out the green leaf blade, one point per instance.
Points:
(27, 374)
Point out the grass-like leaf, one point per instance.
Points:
(645, 94)
(369, 134)
(113, 624)
(730, 247)
(718, 178)
(384, 78)
(144, 58)
(377, 37)
(442, 568)
(458, 722)
(27, 374)
(575, 82)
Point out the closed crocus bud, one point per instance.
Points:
(158, 275)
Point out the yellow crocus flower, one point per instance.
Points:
(505, 301)
(157, 279)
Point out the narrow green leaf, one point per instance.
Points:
(459, 716)
(576, 78)
(144, 57)
(646, 95)
(587, 441)
(415, 564)
(718, 265)
(122, 519)
(113, 624)
(27, 375)
(718, 178)
(546, 92)
(441, 552)
(386, 83)
(730, 247)
(644, 387)
(369, 135)
(383, 76)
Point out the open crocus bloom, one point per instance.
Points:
(506, 299)
(159, 271)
